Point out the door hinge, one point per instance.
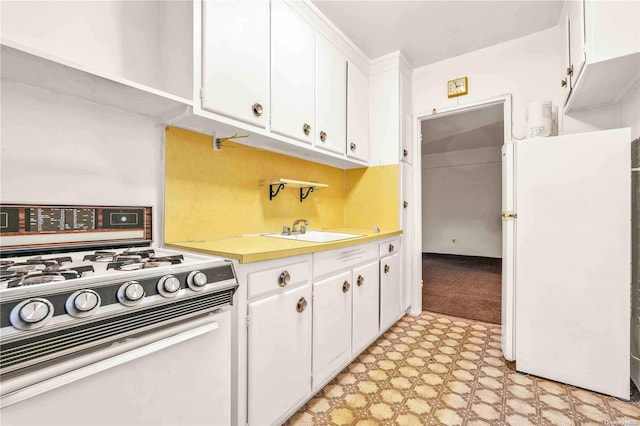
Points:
(202, 93)
(247, 321)
(509, 215)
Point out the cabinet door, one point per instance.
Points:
(292, 66)
(406, 119)
(366, 306)
(235, 59)
(331, 326)
(390, 290)
(565, 58)
(279, 354)
(357, 113)
(331, 97)
(408, 235)
(575, 11)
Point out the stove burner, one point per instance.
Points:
(100, 256)
(50, 260)
(173, 260)
(23, 268)
(42, 278)
(126, 265)
(127, 258)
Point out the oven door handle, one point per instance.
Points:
(48, 378)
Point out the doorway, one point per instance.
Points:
(461, 190)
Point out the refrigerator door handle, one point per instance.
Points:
(509, 215)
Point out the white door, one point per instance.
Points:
(331, 97)
(331, 325)
(357, 113)
(279, 354)
(573, 258)
(390, 290)
(366, 306)
(508, 254)
(235, 59)
(292, 66)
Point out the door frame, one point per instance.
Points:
(418, 118)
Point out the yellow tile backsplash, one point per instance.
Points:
(216, 194)
(371, 197)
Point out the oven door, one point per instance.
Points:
(178, 375)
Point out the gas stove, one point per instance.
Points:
(59, 298)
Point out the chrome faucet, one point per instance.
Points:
(303, 228)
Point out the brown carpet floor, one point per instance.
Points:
(462, 286)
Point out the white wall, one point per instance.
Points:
(461, 202)
(529, 69)
(526, 67)
(59, 150)
(630, 113)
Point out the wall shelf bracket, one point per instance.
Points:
(303, 194)
(273, 193)
(277, 184)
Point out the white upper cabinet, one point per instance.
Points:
(235, 59)
(604, 52)
(331, 97)
(292, 67)
(576, 40)
(357, 113)
(565, 57)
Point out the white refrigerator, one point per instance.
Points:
(566, 308)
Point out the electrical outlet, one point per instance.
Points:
(217, 143)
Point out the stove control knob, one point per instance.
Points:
(196, 280)
(31, 313)
(131, 293)
(168, 286)
(34, 311)
(82, 303)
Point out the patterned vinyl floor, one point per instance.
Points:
(438, 370)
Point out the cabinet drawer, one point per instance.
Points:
(332, 261)
(280, 278)
(390, 247)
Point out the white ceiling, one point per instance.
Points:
(428, 31)
(477, 128)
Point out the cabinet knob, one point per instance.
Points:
(563, 83)
(302, 304)
(284, 278)
(391, 248)
(570, 70)
(306, 129)
(386, 268)
(405, 204)
(323, 136)
(257, 109)
(346, 286)
(405, 153)
(360, 280)
(352, 146)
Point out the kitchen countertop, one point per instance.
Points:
(257, 247)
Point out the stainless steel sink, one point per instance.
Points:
(315, 236)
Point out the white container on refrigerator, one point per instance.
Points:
(566, 315)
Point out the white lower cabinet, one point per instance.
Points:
(390, 284)
(331, 326)
(307, 317)
(366, 306)
(278, 354)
